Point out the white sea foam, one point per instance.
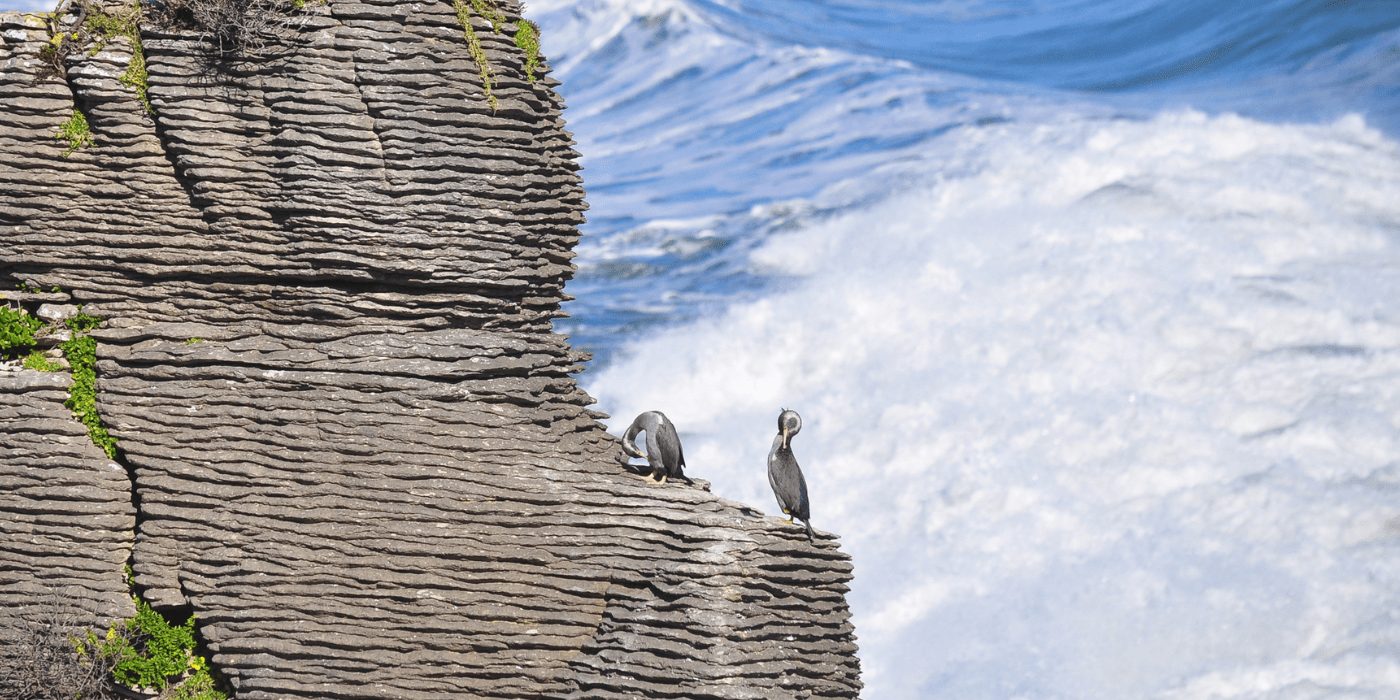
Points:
(1113, 414)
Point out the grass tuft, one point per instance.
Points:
(527, 39)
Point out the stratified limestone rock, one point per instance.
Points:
(66, 518)
(359, 452)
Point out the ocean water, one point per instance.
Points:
(1091, 310)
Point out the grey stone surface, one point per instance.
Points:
(56, 312)
(66, 519)
(360, 454)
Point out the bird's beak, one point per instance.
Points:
(785, 437)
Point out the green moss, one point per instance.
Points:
(81, 353)
(125, 22)
(193, 341)
(527, 39)
(75, 132)
(37, 360)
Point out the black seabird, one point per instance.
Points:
(785, 476)
(663, 446)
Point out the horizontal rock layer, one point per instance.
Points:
(66, 519)
(359, 451)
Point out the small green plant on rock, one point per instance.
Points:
(16, 329)
(159, 653)
(193, 341)
(94, 28)
(82, 323)
(200, 686)
(483, 67)
(147, 651)
(527, 39)
(75, 132)
(159, 650)
(125, 22)
(81, 353)
(38, 360)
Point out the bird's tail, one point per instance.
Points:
(810, 533)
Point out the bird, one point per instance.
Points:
(785, 476)
(663, 446)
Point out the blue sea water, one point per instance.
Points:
(706, 109)
(1090, 309)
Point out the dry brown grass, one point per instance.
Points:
(235, 28)
(39, 658)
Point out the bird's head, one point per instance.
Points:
(789, 424)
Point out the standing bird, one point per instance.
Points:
(785, 476)
(663, 446)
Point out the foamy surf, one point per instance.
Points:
(1112, 414)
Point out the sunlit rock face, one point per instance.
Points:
(355, 445)
(66, 517)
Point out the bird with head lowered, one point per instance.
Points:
(663, 446)
(785, 476)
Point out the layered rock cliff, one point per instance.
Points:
(349, 440)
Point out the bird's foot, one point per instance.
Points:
(663, 479)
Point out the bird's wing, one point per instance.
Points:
(656, 454)
(670, 444)
(787, 481)
(773, 469)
